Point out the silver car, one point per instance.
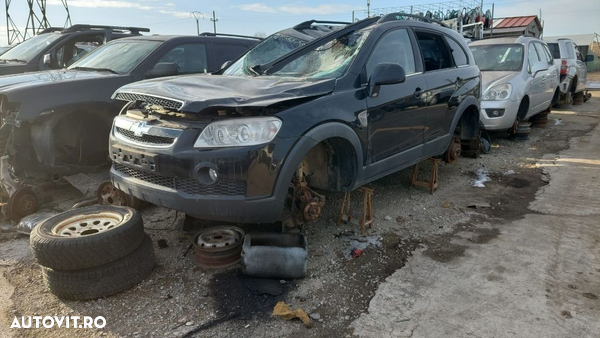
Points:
(519, 80)
(572, 66)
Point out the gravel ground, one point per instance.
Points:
(179, 296)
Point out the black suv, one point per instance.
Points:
(315, 106)
(56, 48)
(57, 122)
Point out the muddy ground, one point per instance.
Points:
(179, 296)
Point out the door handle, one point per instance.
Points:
(458, 79)
(418, 92)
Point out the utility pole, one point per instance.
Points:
(214, 20)
(368, 8)
(197, 16)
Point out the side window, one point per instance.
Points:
(532, 57)
(393, 47)
(548, 55)
(434, 50)
(189, 58)
(74, 49)
(541, 53)
(570, 49)
(460, 58)
(578, 53)
(228, 52)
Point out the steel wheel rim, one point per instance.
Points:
(88, 225)
(218, 238)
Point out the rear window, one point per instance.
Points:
(555, 50)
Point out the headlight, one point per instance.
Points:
(498, 93)
(239, 132)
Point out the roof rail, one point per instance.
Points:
(401, 16)
(231, 35)
(51, 29)
(79, 27)
(307, 24)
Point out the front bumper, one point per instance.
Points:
(220, 208)
(163, 168)
(511, 108)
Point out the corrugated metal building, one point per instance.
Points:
(515, 26)
(588, 44)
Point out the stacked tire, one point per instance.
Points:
(93, 252)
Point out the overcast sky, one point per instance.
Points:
(251, 16)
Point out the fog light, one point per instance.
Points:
(212, 173)
(495, 112)
(207, 175)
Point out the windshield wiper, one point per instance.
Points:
(14, 60)
(95, 69)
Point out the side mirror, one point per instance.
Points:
(539, 67)
(226, 64)
(47, 59)
(385, 74)
(589, 58)
(163, 69)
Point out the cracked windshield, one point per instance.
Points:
(330, 60)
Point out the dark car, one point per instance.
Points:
(331, 112)
(57, 122)
(56, 48)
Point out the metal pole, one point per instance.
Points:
(368, 8)
(492, 22)
(214, 20)
(197, 16)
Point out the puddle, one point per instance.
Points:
(482, 176)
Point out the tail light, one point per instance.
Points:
(563, 67)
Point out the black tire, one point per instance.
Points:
(88, 250)
(105, 280)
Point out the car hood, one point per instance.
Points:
(47, 90)
(202, 91)
(492, 78)
(33, 79)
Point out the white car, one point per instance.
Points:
(573, 68)
(519, 80)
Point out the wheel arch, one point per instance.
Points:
(336, 135)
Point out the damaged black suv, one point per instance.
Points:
(319, 105)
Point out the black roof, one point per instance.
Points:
(164, 38)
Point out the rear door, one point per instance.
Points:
(443, 78)
(396, 117)
(581, 69)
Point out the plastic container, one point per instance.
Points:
(275, 255)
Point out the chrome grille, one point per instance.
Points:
(159, 101)
(189, 186)
(146, 138)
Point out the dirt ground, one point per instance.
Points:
(179, 296)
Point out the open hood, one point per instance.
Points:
(199, 92)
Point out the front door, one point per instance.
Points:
(537, 85)
(396, 117)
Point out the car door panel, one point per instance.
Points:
(396, 116)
